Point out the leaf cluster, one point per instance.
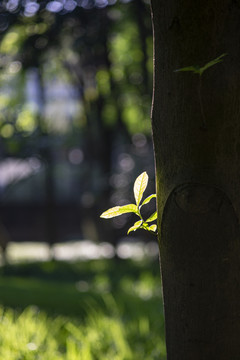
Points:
(200, 70)
(138, 190)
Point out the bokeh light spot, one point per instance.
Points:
(54, 6)
(126, 162)
(26, 121)
(7, 131)
(12, 5)
(101, 3)
(139, 140)
(75, 156)
(31, 8)
(70, 5)
(15, 67)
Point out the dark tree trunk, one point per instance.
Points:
(198, 175)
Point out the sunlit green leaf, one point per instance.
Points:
(140, 186)
(119, 210)
(153, 228)
(152, 217)
(148, 199)
(136, 226)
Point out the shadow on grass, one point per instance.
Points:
(71, 288)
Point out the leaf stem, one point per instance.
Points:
(204, 122)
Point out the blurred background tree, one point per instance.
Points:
(75, 98)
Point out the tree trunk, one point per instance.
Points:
(196, 132)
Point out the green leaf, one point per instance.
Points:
(136, 226)
(119, 210)
(194, 69)
(152, 228)
(197, 70)
(148, 199)
(211, 63)
(152, 217)
(140, 186)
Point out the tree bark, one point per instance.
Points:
(197, 152)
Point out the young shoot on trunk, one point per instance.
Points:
(139, 187)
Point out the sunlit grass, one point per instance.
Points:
(32, 334)
(96, 310)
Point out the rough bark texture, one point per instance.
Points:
(198, 175)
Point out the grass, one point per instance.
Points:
(95, 310)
